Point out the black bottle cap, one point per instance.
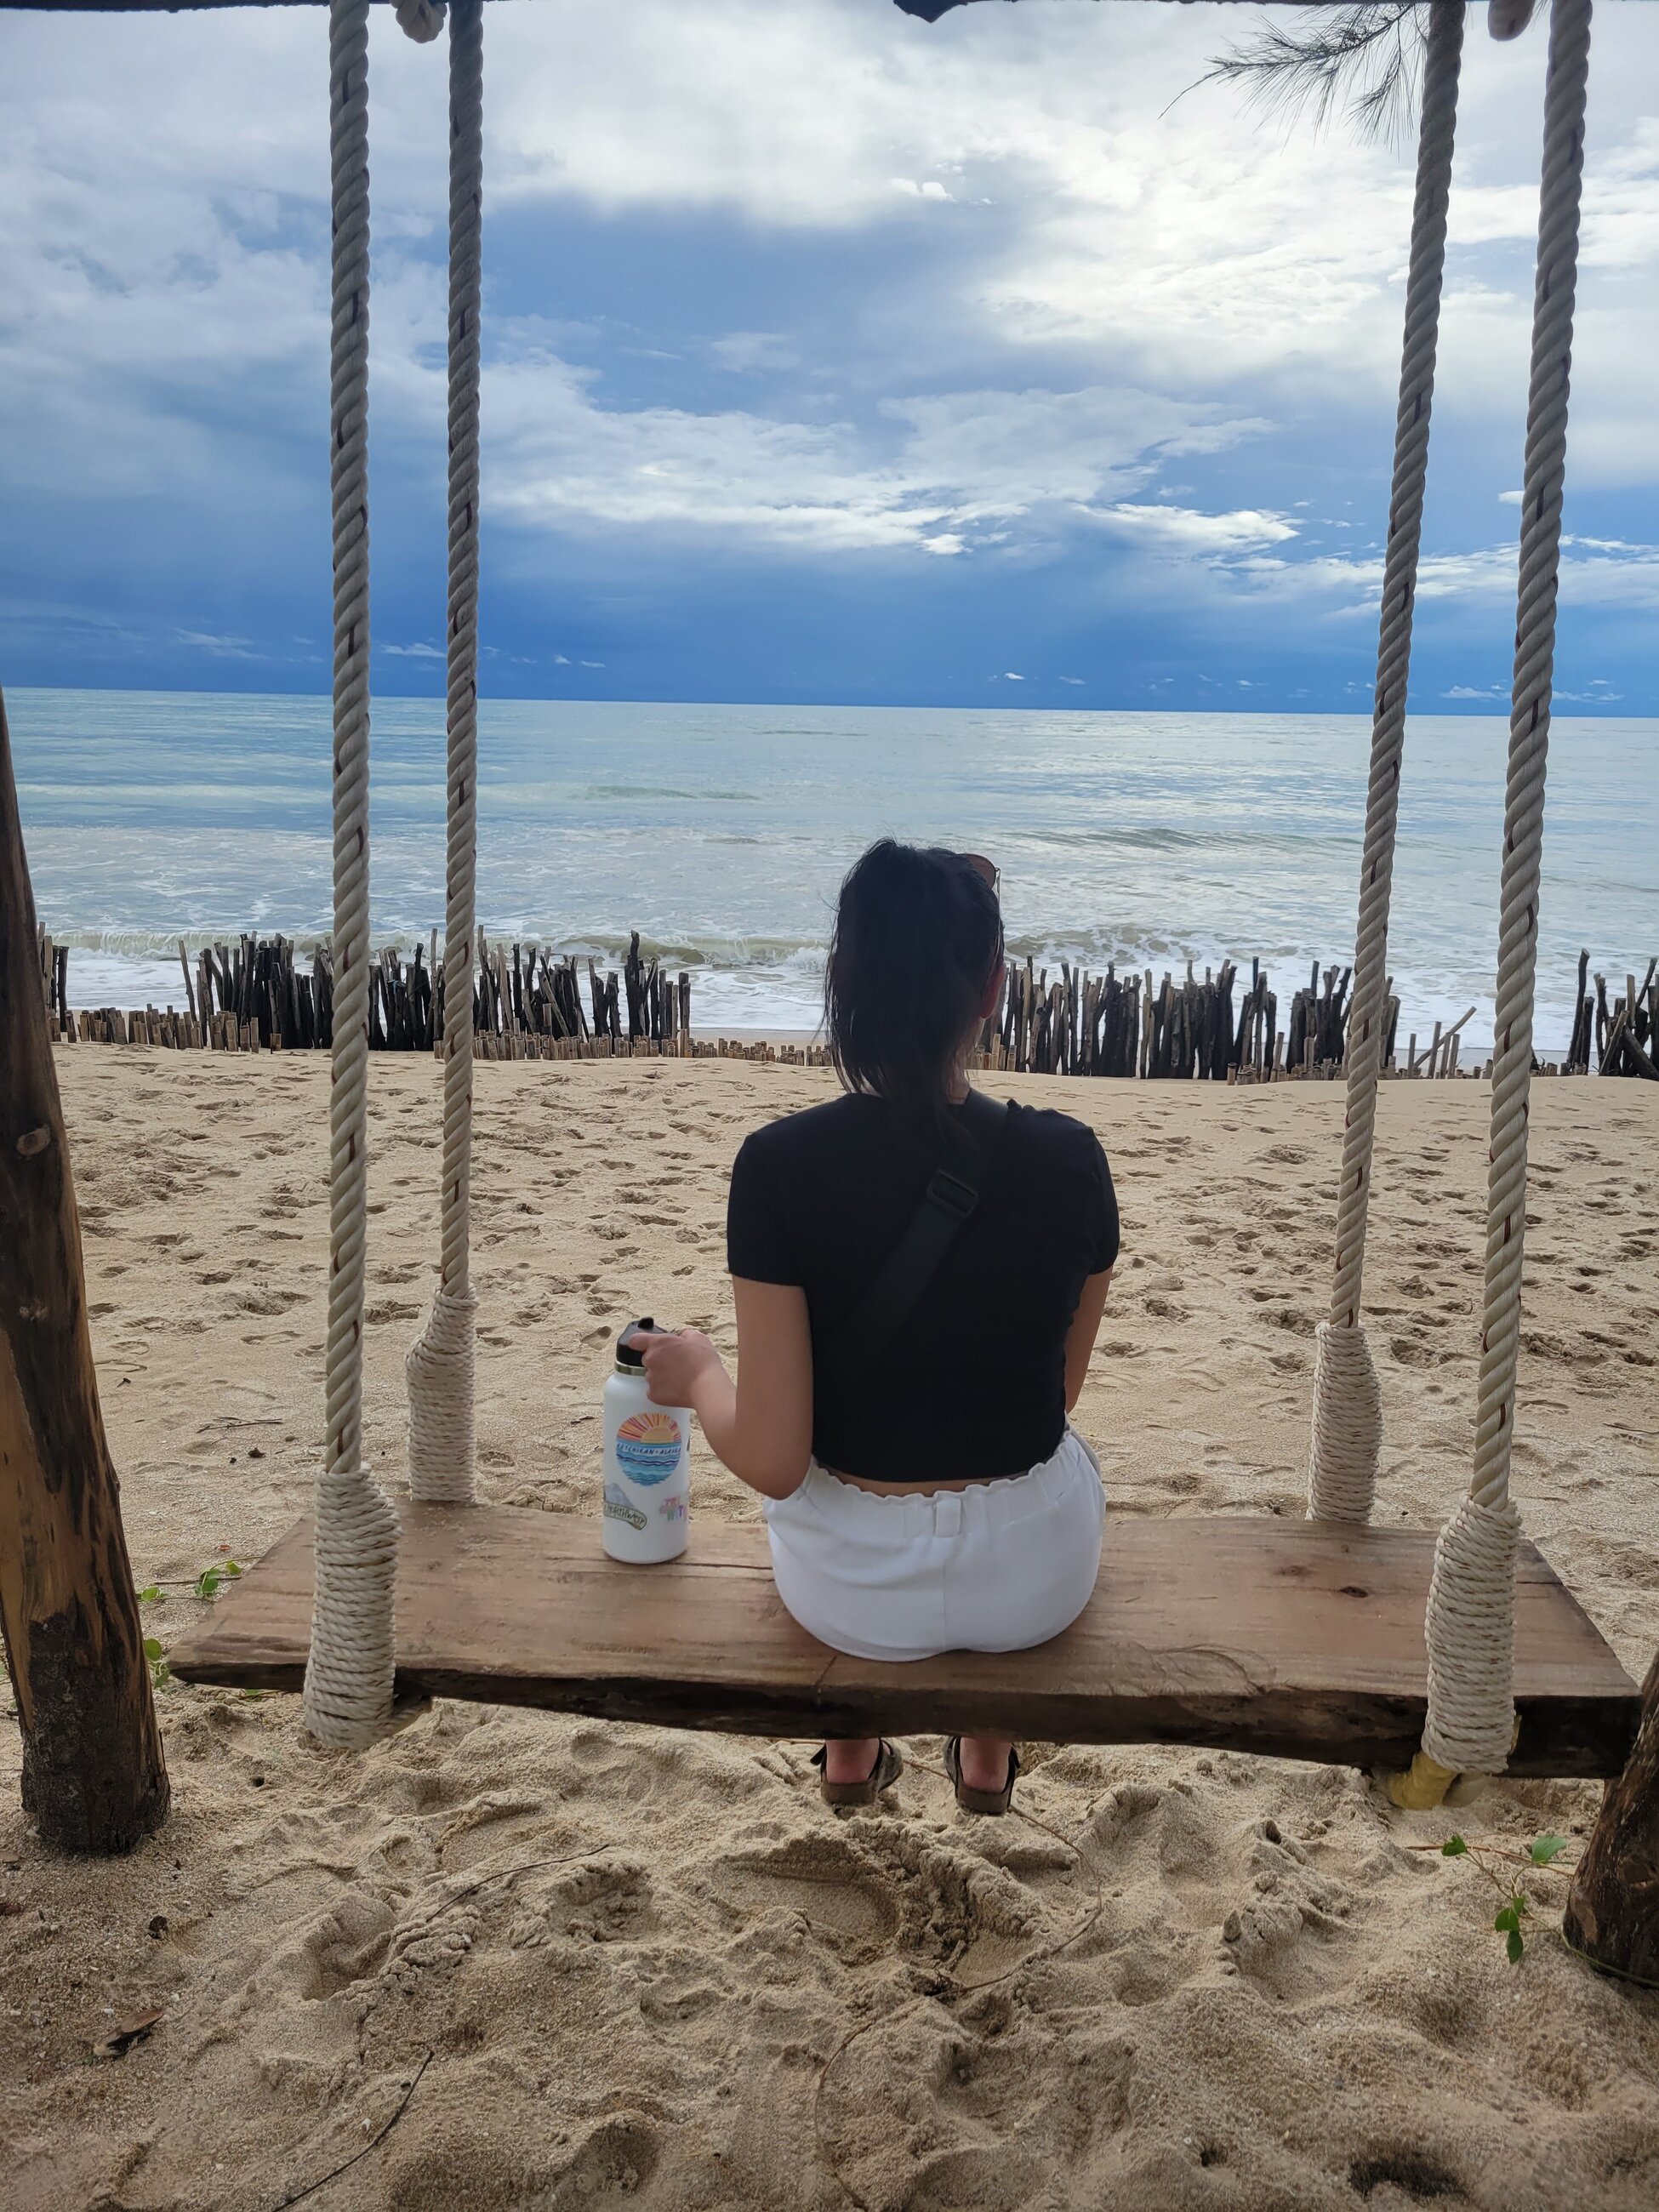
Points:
(630, 1357)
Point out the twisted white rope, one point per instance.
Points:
(443, 1436)
(1347, 1427)
(348, 1692)
(1471, 1623)
(1347, 1421)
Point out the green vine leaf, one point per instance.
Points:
(1547, 1847)
(1453, 1848)
(1515, 1947)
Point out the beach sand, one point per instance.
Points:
(651, 1968)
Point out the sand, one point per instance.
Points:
(651, 1968)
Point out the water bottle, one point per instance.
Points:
(648, 1461)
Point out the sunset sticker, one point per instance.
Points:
(649, 1447)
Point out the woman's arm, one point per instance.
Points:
(1080, 1337)
(761, 1425)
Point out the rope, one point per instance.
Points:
(348, 1693)
(1507, 19)
(442, 1435)
(1347, 1427)
(1471, 1620)
(421, 20)
(1347, 1417)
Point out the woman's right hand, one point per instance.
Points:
(675, 1365)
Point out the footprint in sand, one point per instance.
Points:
(614, 2163)
(848, 1902)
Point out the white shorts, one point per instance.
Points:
(996, 1567)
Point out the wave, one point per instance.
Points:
(718, 949)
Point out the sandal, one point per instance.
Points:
(890, 1765)
(992, 1803)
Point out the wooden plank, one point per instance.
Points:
(1290, 1639)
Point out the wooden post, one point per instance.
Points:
(92, 1774)
(1613, 1910)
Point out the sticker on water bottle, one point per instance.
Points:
(649, 1447)
(617, 1507)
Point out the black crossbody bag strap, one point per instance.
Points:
(950, 1199)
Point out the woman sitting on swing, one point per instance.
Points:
(918, 1274)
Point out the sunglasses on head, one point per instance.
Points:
(984, 869)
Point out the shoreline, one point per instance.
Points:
(158, 1032)
(722, 998)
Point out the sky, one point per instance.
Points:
(830, 357)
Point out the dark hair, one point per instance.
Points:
(918, 936)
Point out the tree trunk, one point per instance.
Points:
(92, 1774)
(1613, 1912)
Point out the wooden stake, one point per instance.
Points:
(94, 1778)
(1613, 1911)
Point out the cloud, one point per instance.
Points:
(1474, 691)
(413, 652)
(990, 284)
(748, 352)
(221, 648)
(1600, 694)
(1184, 530)
(1173, 236)
(966, 465)
(1611, 575)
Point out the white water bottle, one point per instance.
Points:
(648, 1461)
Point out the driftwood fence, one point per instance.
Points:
(528, 1003)
(256, 996)
(1624, 1036)
(1121, 1025)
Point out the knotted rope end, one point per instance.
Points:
(442, 1425)
(421, 20)
(349, 1675)
(1507, 19)
(1347, 1425)
(1470, 1630)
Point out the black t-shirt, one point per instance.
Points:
(974, 1384)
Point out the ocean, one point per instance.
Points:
(720, 834)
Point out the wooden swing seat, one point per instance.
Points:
(1289, 1639)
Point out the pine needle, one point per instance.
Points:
(1363, 63)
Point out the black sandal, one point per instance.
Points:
(890, 1765)
(992, 1803)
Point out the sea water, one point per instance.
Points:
(722, 833)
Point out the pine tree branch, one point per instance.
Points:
(1363, 62)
